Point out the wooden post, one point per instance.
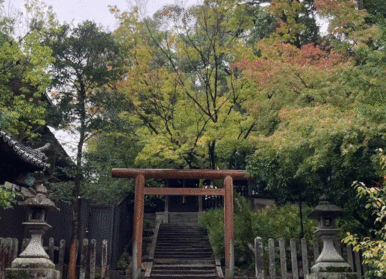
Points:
(272, 271)
(358, 264)
(283, 259)
(228, 228)
(315, 243)
(2, 258)
(51, 248)
(62, 249)
(349, 257)
(259, 258)
(15, 249)
(8, 251)
(294, 260)
(304, 256)
(104, 259)
(138, 225)
(92, 258)
(83, 259)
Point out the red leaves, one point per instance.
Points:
(281, 57)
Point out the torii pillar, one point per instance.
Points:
(140, 191)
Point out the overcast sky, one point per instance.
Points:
(97, 10)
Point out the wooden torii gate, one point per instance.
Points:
(140, 191)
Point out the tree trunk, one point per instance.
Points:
(301, 215)
(74, 238)
(76, 189)
(212, 146)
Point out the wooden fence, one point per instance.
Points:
(276, 260)
(9, 250)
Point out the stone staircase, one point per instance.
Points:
(182, 251)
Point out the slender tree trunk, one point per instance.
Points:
(74, 238)
(76, 189)
(301, 215)
(212, 158)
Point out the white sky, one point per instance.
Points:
(97, 10)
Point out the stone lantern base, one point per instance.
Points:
(32, 268)
(332, 275)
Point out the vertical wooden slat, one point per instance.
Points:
(349, 257)
(104, 259)
(92, 258)
(365, 269)
(315, 244)
(283, 259)
(271, 246)
(15, 249)
(338, 246)
(62, 249)
(358, 265)
(259, 258)
(304, 257)
(83, 259)
(2, 259)
(294, 260)
(8, 251)
(51, 243)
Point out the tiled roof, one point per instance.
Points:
(32, 156)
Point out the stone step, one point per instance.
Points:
(182, 266)
(183, 261)
(183, 252)
(184, 276)
(174, 256)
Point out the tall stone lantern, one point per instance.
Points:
(34, 262)
(329, 264)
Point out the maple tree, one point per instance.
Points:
(184, 96)
(311, 137)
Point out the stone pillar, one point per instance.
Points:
(34, 262)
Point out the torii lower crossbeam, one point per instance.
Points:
(140, 191)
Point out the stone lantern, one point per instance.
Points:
(329, 264)
(34, 262)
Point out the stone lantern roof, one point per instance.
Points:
(40, 200)
(325, 208)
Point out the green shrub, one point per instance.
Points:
(7, 198)
(282, 222)
(213, 221)
(123, 262)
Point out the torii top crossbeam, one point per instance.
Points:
(181, 174)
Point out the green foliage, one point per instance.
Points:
(282, 222)
(213, 221)
(7, 198)
(123, 262)
(183, 97)
(271, 222)
(374, 249)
